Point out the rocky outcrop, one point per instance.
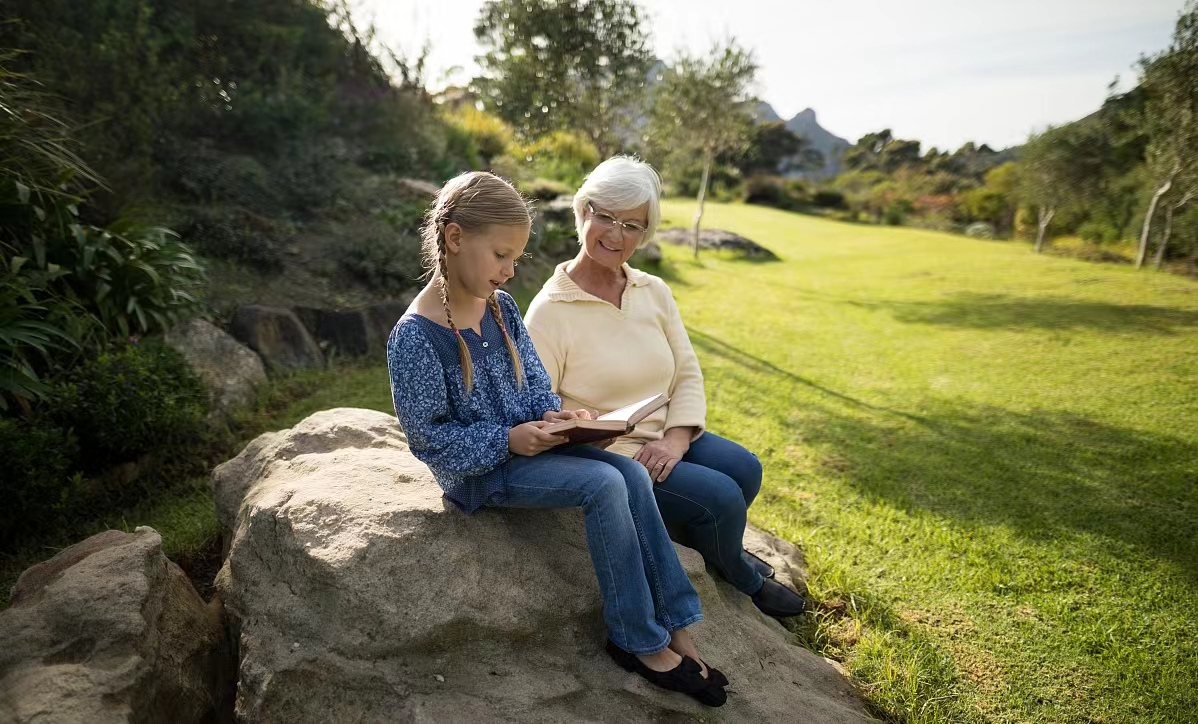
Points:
(717, 239)
(278, 336)
(360, 595)
(231, 371)
(109, 630)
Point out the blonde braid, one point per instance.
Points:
(463, 350)
(493, 303)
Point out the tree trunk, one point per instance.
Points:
(708, 157)
(1143, 251)
(1045, 219)
(1160, 250)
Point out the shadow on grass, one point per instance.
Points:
(1044, 474)
(1001, 311)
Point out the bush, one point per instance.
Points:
(38, 481)
(543, 189)
(829, 199)
(1097, 232)
(238, 236)
(127, 403)
(774, 191)
(383, 260)
(562, 156)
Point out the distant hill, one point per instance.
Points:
(804, 125)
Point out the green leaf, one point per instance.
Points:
(18, 262)
(22, 192)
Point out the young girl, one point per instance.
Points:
(472, 397)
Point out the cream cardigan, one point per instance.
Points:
(600, 357)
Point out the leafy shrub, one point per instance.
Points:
(38, 482)
(203, 173)
(383, 260)
(562, 156)
(488, 134)
(828, 199)
(1097, 232)
(544, 189)
(774, 191)
(124, 404)
(237, 236)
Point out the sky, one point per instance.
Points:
(940, 71)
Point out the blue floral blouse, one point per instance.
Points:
(463, 439)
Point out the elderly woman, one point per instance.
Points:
(610, 335)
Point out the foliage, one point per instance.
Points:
(39, 461)
(561, 156)
(774, 148)
(236, 235)
(776, 191)
(129, 402)
(574, 65)
(381, 258)
(489, 135)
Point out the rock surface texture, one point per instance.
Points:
(230, 370)
(717, 239)
(109, 630)
(278, 336)
(359, 595)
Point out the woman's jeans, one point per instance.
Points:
(646, 593)
(705, 503)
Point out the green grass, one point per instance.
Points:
(989, 457)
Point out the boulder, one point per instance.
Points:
(109, 630)
(718, 239)
(278, 336)
(230, 370)
(345, 332)
(558, 211)
(361, 595)
(417, 188)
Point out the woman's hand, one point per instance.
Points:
(565, 415)
(528, 439)
(660, 456)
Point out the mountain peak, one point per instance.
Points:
(807, 114)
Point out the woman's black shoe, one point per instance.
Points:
(778, 601)
(765, 569)
(686, 677)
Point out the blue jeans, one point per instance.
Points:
(646, 593)
(705, 503)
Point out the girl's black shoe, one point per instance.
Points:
(765, 569)
(715, 676)
(686, 677)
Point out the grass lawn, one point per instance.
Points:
(990, 458)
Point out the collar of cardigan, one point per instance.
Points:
(561, 288)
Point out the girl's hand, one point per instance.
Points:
(527, 439)
(564, 415)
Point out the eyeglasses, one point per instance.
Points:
(630, 230)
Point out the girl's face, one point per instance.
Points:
(483, 260)
(610, 237)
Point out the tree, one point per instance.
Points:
(774, 148)
(1170, 82)
(576, 65)
(1062, 167)
(703, 108)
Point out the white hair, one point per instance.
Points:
(619, 184)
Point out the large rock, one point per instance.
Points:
(355, 332)
(109, 630)
(278, 336)
(231, 371)
(361, 595)
(718, 239)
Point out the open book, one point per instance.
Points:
(613, 424)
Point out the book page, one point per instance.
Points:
(629, 411)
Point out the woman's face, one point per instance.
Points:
(610, 236)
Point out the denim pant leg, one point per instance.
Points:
(676, 601)
(712, 505)
(563, 481)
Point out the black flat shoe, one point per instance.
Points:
(715, 676)
(762, 567)
(778, 601)
(686, 677)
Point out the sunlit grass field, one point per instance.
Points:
(989, 457)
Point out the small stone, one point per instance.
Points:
(295, 646)
(440, 679)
